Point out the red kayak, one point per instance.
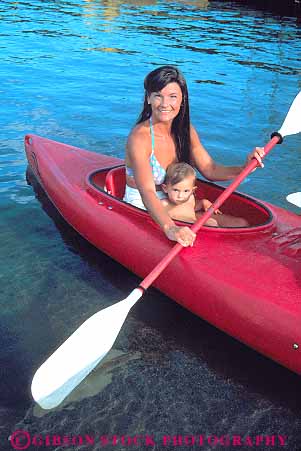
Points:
(245, 281)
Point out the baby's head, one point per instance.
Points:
(179, 182)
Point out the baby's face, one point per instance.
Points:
(181, 191)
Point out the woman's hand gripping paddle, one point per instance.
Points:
(89, 344)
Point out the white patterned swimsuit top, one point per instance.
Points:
(159, 173)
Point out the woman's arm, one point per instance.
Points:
(209, 168)
(138, 155)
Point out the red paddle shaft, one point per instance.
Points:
(154, 274)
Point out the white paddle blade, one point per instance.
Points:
(295, 198)
(292, 122)
(80, 353)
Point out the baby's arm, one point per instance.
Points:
(204, 205)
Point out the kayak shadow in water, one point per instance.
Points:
(24, 343)
(14, 364)
(175, 329)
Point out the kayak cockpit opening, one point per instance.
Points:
(112, 181)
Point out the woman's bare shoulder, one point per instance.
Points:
(139, 132)
(139, 139)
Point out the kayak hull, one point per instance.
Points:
(244, 281)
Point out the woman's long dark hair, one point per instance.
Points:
(154, 82)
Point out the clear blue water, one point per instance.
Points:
(73, 71)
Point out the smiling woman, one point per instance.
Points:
(163, 135)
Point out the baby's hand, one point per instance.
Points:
(207, 204)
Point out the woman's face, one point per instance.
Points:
(166, 103)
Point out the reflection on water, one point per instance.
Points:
(111, 50)
(110, 10)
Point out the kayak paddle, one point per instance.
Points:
(89, 344)
(295, 198)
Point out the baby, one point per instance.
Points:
(181, 204)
